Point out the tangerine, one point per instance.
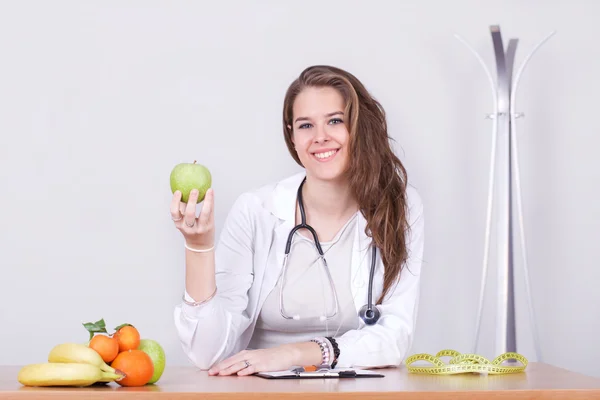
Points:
(106, 346)
(136, 365)
(128, 338)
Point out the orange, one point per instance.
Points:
(128, 338)
(106, 346)
(136, 365)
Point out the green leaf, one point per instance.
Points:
(122, 325)
(95, 327)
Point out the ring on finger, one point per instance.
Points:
(180, 216)
(247, 363)
(178, 219)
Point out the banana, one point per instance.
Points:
(78, 353)
(64, 374)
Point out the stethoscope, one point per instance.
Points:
(369, 314)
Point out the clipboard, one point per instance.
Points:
(300, 373)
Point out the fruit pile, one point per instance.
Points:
(122, 357)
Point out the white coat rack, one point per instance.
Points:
(504, 167)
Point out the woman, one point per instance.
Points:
(236, 318)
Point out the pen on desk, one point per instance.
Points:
(307, 368)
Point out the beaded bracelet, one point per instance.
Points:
(336, 350)
(325, 350)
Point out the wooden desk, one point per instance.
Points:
(539, 381)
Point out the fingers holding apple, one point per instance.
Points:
(200, 231)
(176, 212)
(189, 216)
(206, 219)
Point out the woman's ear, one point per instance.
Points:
(291, 136)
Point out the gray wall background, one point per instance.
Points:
(99, 100)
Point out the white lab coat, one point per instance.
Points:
(248, 261)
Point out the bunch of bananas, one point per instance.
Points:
(69, 364)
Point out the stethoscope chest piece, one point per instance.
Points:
(369, 316)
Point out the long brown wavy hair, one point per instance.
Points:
(377, 177)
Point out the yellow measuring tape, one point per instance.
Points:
(465, 363)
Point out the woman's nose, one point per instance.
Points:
(321, 134)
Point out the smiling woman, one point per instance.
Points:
(320, 268)
(320, 137)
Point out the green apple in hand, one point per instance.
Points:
(157, 354)
(186, 177)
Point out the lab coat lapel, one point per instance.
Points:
(281, 234)
(283, 206)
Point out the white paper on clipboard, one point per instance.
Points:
(331, 373)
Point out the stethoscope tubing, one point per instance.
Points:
(367, 313)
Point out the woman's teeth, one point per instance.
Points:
(326, 154)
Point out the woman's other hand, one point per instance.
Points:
(248, 362)
(275, 359)
(199, 232)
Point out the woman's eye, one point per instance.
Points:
(332, 122)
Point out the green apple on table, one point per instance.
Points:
(157, 354)
(186, 177)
